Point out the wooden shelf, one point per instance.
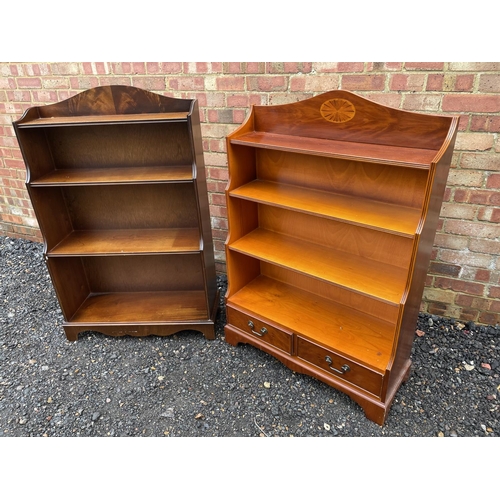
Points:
(58, 121)
(116, 175)
(369, 277)
(128, 242)
(394, 219)
(143, 307)
(374, 153)
(362, 337)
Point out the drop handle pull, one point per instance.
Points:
(343, 369)
(262, 332)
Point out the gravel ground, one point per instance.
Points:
(184, 385)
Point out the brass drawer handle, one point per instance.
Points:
(344, 369)
(262, 332)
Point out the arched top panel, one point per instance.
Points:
(110, 100)
(344, 116)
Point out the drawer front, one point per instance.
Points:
(260, 330)
(340, 367)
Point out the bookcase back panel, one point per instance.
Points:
(107, 146)
(123, 274)
(114, 99)
(348, 298)
(397, 185)
(144, 273)
(131, 207)
(355, 240)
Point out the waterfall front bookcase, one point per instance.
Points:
(333, 204)
(116, 178)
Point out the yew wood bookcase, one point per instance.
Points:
(333, 204)
(117, 181)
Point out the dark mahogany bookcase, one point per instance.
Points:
(333, 204)
(116, 177)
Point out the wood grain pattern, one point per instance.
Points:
(146, 307)
(109, 100)
(348, 298)
(128, 242)
(120, 145)
(372, 278)
(373, 123)
(131, 206)
(373, 153)
(332, 362)
(116, 175)
(364, 212)
(365, 181)
(352, 239)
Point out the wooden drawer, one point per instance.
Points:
(260, 330)
(339, 366)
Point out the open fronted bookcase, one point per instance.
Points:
(117, 180)
(333, 204)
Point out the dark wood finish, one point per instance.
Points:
(333, 204)
(116, 177)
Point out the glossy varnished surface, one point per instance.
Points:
(129, 241)
(388, 217)
(116, 175)
(372, 123)
(375, 153)
(145, 307)
(346, 330)
(332, 202)
(372, 278)
(55, 121)
(108, 100)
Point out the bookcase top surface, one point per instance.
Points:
(341, 115)
(109, 103)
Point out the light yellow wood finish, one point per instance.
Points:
(399, 186)
(352, 299)
(371, 278)
(352, 239)
(354, 333)
(333, 203)
(396, 219)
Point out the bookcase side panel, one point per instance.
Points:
(437, 185)
(203, 206)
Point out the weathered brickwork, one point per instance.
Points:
(464, 274)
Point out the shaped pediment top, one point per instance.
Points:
(111, 100)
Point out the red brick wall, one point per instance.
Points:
(464, 275)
